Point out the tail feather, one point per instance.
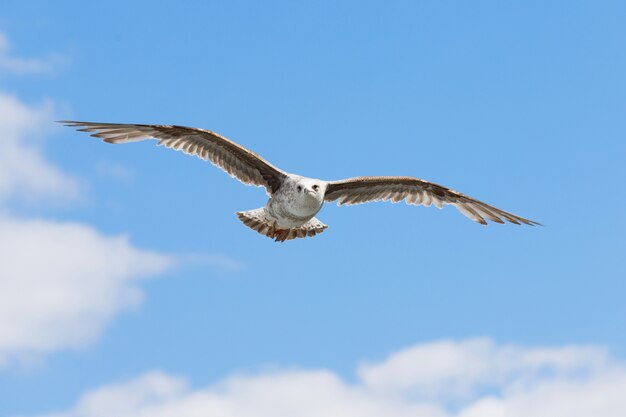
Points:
(259, 221)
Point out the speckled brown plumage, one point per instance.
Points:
(237, 161)
(415, 191)
(294, 200)
(258, 221)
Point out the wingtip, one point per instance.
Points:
(70, 123)
(526, 222)
(529, 222)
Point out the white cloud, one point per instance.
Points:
(457, 371)
(60, 283)
(15, 65)
(24, 172)
(521, 381)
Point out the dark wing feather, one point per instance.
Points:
(417, 192)
(237, 161)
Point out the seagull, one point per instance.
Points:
(294, 200)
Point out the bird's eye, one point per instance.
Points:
(316, 187)
(299, 188)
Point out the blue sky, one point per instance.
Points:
(519, 105)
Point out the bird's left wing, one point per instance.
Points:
(237, 161)
(417, 192)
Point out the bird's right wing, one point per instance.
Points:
(237, 161)
(416, 192)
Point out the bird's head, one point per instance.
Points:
(311, 188)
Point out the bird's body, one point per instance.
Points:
(294, 200)
(290, 211)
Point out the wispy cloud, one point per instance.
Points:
(61, 283)
(15, 65)
(496, 381)
(24, 171)
(108, 169)
(220, 262)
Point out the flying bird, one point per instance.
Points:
(294, 200)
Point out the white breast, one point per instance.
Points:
(292, 208)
